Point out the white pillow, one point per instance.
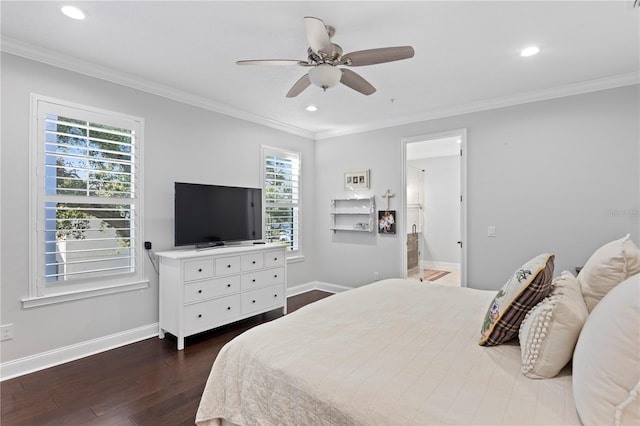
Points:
(550, 330)
(611, 264)
(606, 362)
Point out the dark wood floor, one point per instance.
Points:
(145, 383)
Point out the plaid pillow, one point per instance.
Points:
(529, 285)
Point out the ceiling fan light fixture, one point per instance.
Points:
(325, 76)
(324, 57)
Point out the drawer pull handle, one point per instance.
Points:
(228, 266)
(275, 276)
(199, 291)
(200, 270)
(254, 262)
(228, 285)
(253, 280)
(275, 259)
(275, 295)
(253, 301)
(228, 308)
(199, 315)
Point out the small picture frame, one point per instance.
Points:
(356, 180)
(386, 221)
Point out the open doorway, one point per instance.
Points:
(434, 173)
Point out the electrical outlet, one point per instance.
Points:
(6, 332)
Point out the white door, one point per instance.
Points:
(415, 220)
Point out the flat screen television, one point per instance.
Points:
(212, 215)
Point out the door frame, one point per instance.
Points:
(462, 134)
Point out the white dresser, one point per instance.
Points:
(204, 289)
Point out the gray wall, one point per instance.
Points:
(559, 176)
(182, 143)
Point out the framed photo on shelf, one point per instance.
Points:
(386, 221)
(356, 180)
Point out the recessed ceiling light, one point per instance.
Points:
(530, 51)
(311, 108)
(73, 12)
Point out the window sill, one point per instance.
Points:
(295, 258)
(34, 302)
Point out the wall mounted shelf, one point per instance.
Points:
(355, 214)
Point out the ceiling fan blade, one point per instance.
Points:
(300, 85)
(377, 56)
(272, 62)
(317, 35)
(357, 83)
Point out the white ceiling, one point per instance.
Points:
(467, 53)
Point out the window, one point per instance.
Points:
(87, 199)
(281, 174)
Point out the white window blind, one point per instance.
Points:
(282, 197)
(88, 199)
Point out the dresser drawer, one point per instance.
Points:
(252, 262)
(227, 265)
(262, 278)
(262, 299)
(198, 269)
(274, 258)
(202, 290)
(208, 314)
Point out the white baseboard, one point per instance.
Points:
(316, 285)
(440, 265)
(300, 288)
(37, 362)
(331, 288)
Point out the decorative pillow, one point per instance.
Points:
(550, 330)
(529, 285)
(606, 362)
(611, 264)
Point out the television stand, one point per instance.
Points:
(202, 290)
(209, 245)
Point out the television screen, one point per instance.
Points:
(209, 215)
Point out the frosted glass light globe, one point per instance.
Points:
(325, 76)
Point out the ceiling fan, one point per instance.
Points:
(325, 56)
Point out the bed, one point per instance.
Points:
(395, 352)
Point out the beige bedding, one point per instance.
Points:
(395, 352)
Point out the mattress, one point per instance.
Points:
(395, 352)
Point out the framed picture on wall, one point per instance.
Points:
(386, 221)
(356, 180)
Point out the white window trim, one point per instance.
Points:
(129, 282)
(51, 299)
(295, 255)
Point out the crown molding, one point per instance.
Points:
(71, 63)
(28, 51)
(523, 98)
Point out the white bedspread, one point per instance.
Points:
(395, 352)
